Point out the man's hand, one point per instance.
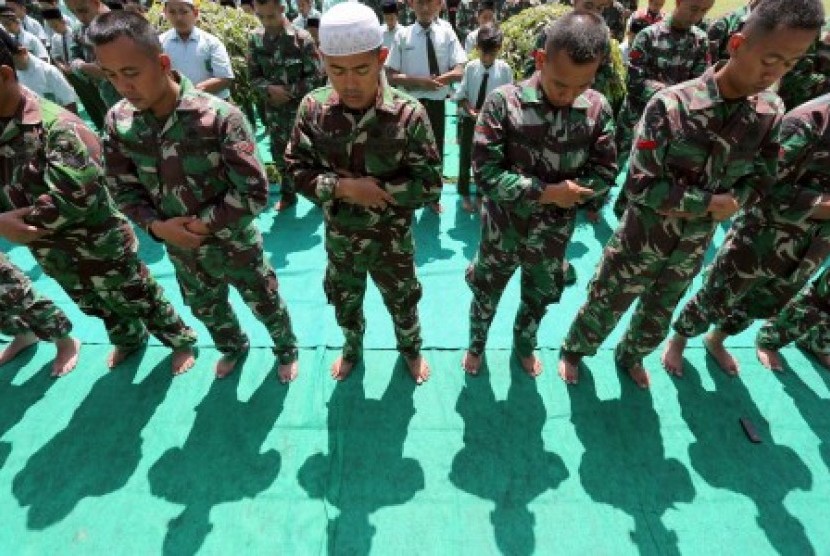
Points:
(565, 194)
(722, 206)
(365, 192)
(16, 230)
(428, 83)
(177, 231)
(198, 227)
(278, 95)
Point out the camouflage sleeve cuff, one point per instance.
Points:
(533, 188)
(695, 201)
(149, 229)
(326, 185)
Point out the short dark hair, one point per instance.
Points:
(8, 48)
(108, 27)
(266, 2)
(766, 16)
(582, 35)
(489, 38)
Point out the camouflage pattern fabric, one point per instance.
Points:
(810, 78)
(644, 18)
(689, 145)
(805, 320)
(50, 161)
(393, 142)
(660, 56)
(521, 145)
(721, 29)
(202, 161)
(614, 16)
(774, 247)
(288, 59)
(82, 49)
(466, 19)
(22, 310)
(512, 7)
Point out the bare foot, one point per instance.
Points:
(724, 359)
(419, 369)
(769, 358)
(227, 363)
(183, 360)
(118, 355)
(67, 356)
(467, 204)
(287, 372)
(639, 375)
(471, 363)
(569, 369)
(341, 369)
(531, 365)
(672, 357)
(17, 345)
(436, 208)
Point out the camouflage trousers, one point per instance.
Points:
(205, 275)
(758, 269)
(102, 274)
(652, 258)
(23, 310)
(805, 320)
(466, 129)
(280, 124)
(387, 255)
(539, 254)
(624, 134)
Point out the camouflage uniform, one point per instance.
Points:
(721, 29)
(50, 161)
(805, 320)
(512, 7)
(660, 56)
(22, 310)
(522, 144)
(774, 247)
(392, 142)
(82, 50)
(689, 145)
(810, 78)
(466, 19)
(290, 59)
(614, 16)
(642, 19)
(202, 162)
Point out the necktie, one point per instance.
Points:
(432, 59)
(482, 91)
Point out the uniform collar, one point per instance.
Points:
(706, 94)
(384, 102)
(532, 93)
(194, 35)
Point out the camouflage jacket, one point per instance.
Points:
(522, 143)
(614, 16)
(201, 161)
(392, 141)
(721, 29)
(50, 161)
(810, 78)
(691, 143)
(81, 50)
(661, 56)
(644, 18)
(288, 58)
(466, 19)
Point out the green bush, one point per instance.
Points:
(522, 30)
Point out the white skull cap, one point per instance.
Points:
(349, 28)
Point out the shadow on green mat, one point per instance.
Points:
(100, 447)
(722, 455)
(504, 457)
(624, 464)
(364, 469)
(221, 460)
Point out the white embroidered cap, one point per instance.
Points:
(349, 28)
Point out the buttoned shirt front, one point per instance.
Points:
(200, 57)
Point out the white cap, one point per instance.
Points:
(349, 28)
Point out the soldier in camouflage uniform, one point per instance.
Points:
(810, 78)
(28, 317)
(182, 164)
(614, 15)
(721, 29)
(370, 159)
(466, 18)
(51, 165)
(669, 52)
(774, 247)
(540, 149)
(283, 66)
(83, 61)
(702, 149)
(804, 320)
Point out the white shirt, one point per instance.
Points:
(470, 41)
(59, 53)
(33, 26)
(408, 54)
(299, 21)
(389, 36)
(47, 81)
(201, 57)
(32, 44)
(500, 74)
